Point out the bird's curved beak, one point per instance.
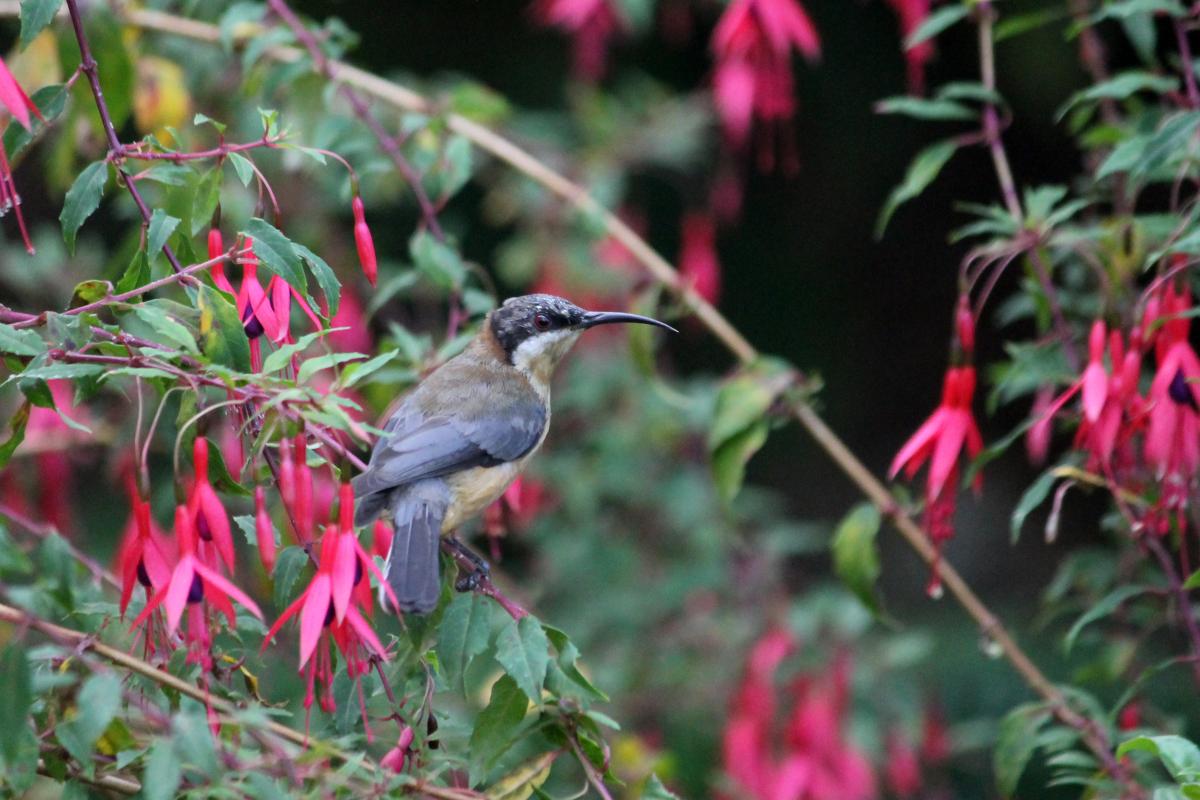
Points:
(593, 318)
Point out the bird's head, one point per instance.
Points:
(536, 330)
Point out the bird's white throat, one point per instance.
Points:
(537, 356)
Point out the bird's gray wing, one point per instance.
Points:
(417, 447)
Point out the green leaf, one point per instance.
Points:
(163, 771)
(16, 427)
(730, 459)
(204, 200)
(166, 327)
(312, 366)
(356, 374)
(276, 253)
(20, 341)
(1015, 744)
(278, 359)
(288, 565)
(438, 261)
(243, 168)
(1146, 153)
(162, 225)
(568, 656)
(1193, 582)
(35, 16)
(464, 633)
(83, 198)
(50, 372)
(51, 101)
(921, 172)
(1106, 605)
(935, 23)
(745, 399)
(15, 701)
(654, 790)
(524, 651)
(1016, 25)
(856, 554)
(1033, 497)
(95, 708)
(924, 108)
(496, 726)
(327, 279)
(1120, 87)
(222, 337)
(1180, 756)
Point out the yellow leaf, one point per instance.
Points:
(37, 65)
(161, 98)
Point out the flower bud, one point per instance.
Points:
(263, 530)
(364, 242)
(964, 325)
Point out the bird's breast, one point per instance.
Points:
(473, 490)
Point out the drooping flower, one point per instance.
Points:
(52, 439)
(812, 759)
(144, 555)
(208, 513)
(264, 531)
(352, 563)
(592, 24)
(752, 82)
(363, 241)
(1172, 446)
(912, 13)
(18, 105)
(317, 614)
(949, 431)
(192, 585)
(698, 263)
(397, 757)
(902, 768)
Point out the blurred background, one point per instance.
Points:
(628, 548)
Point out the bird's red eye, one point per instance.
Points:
(541, 322)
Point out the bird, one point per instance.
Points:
(464, 434)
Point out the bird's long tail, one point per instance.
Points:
(412, 567)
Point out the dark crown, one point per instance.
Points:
(521, 318)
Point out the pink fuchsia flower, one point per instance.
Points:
(752, 82)
(902, 768)
(356, 338)
(144, 555)
(216, 248)
(19, 106)
(397, 757)
(698, 263)
(912, 13)
(208, 513)
(591, 25)
(264, 531)
(352, 563)
(53, 440)
(191, 586)
(317, 614)
(935, 736)
(948, 432)
(1172, 445)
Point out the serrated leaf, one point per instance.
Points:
(20, 342)
(1120, 87)
(276, 253)
(496, 726)
(35, 16)
(1016, 742)
(166, 327)
(327, 279)
(935, 23)
(856, 554)
(463, 634)
(82, 199)
(524, 651)
(1101, 609)
(921, 172)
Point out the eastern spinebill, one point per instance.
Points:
(466, 432)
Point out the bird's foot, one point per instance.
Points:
(480, 572)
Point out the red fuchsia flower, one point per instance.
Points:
(144, 555)
(304, 510)
(352, 563)
(19, 106)
(520, 503)
(1037, 438)
(364, 241)
(397, 757)
(912, 14)
(949, 431)
(752, 45)
(698, 263)
(1172, 446)
(191, 586)
(208, 513)
(1130, 716)
(811, 760)
(356, 338)
(216, 248)
(935, 736)
(592, 24)
(381, 539)
(52, 440)
(902, 768)
(264, 531)
(317, 614)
